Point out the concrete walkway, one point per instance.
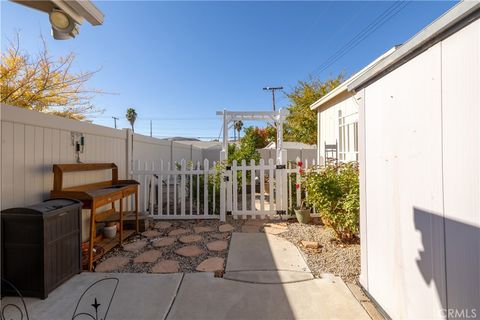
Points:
(264, 258)
(266, 278)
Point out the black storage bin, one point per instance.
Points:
(41, 246)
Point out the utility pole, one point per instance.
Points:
(273, 93)
(151, 128)
(115, 121)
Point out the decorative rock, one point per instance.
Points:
(226, 228)
(166, 266)
(112, 264)
(202, 229)
(190, 238)
(219, 236)
(250, 229)
(218, 245)
(189, 251)
(211, 265)
(148, 256)
(274, 231)
(163, 242)
(281, 225)
(162, 225)
(177, 232)
(310, 244)
(135, 246)
(151, 233)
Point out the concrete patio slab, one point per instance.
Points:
(226, 299)
(137, 296)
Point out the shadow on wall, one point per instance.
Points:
(450, 258)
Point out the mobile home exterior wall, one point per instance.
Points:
(420, 182)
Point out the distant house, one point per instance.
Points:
(337, 117)
(294, 150)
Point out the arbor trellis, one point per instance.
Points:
(278, 117)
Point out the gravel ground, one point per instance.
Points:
(332, 257)
(187, 264)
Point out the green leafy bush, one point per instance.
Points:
(334, 190)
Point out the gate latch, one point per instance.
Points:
(226, 178)
(281, 166)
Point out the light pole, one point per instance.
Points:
(273, 93)
(115, 121)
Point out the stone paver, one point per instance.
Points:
(162, 225)
(202, 229)
(219, 236)
(211, 265)
(166, 266)
(111, 264)
(310, 244)
(272, 230)
(148, 256)
(219, 245)
(151, 233)
(191, 238)
(189, 251)
(177, 232)
(250, 229)
(163, 242)
(135, 246)
(226, 228)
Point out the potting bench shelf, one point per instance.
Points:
(96, 195)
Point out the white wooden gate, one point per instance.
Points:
(204, 191)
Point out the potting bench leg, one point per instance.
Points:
(92, 238)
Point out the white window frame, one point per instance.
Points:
(347, 137)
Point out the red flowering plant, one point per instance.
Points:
(298, 186)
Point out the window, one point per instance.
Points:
(347, 136)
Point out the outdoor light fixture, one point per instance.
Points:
(66, 15)
(63, 26)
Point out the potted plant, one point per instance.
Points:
(302, 213)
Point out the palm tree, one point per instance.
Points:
(238, 127)
(131, 117)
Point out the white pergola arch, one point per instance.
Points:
(278, 117)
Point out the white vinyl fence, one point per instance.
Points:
(207, 190)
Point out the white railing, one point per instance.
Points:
(203, 191)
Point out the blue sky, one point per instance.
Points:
(178, 62)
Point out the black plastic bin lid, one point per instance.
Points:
(47, 206)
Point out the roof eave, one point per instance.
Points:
(462, 14)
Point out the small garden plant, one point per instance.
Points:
(334, 191)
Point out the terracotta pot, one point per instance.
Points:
(303, 215)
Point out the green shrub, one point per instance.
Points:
(334, 190)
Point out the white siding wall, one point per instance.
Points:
(420, 183)
(328, 125)
(461, 165)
